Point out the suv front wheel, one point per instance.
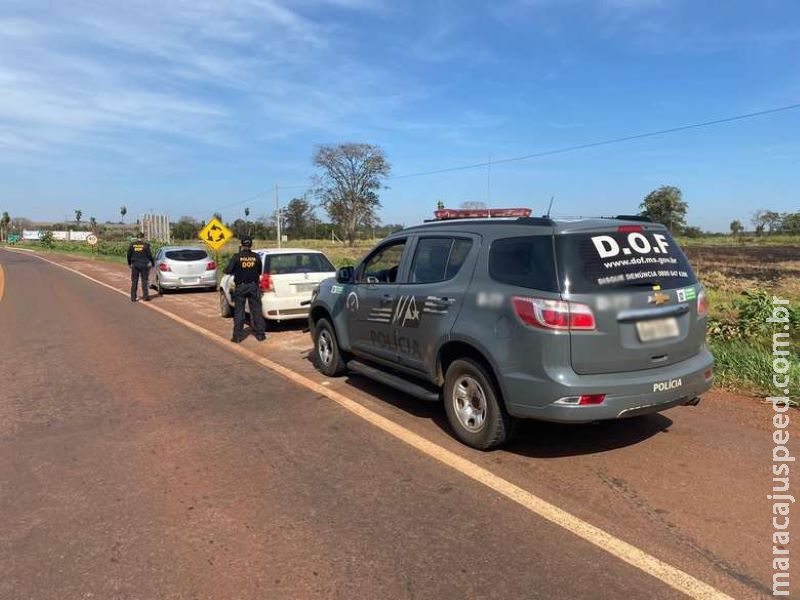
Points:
(327, 355)
(473, 407)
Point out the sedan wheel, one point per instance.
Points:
(225, 310)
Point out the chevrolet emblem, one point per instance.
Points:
(658, 298)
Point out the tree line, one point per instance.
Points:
(666, 205)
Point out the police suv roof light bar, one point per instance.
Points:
(480, 213)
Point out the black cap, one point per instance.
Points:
(246, 240)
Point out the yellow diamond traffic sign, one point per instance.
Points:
(215, 234)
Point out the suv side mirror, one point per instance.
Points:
(345, 275)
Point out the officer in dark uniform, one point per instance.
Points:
(140, 259)
(245, 266)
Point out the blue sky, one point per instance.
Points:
(191, 106)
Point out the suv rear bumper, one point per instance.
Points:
(627, 394)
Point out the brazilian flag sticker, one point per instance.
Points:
(687, 294)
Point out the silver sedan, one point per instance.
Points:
(182, 267)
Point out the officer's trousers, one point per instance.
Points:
(247, 292)
(136, 273)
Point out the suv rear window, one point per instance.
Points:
(299, 262)
(186, 255)
(524, 261)
(438, 259)
(615, 260)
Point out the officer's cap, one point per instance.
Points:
(246, 241)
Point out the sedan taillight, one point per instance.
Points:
(164, 267)
(211, 266)
(554, 314)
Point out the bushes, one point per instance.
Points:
(742, 343)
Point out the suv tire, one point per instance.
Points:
(474, 410)
(327, 355)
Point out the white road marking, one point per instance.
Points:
(672, 576)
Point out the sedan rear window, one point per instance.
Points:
(300, 262)
(186, 255)
(525, 262)
(604, 260)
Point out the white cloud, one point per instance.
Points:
(182, 68)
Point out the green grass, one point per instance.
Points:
(745, 366)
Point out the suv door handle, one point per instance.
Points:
(386, 299)
(443, 302)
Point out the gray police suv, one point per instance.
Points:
(518, 317)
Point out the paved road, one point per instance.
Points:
(131, 466)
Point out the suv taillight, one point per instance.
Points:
(164, 267)
(702, 303)
(211, 266)
(554, 314)
(265, 283)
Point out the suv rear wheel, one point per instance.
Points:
(327, 355)
(473, 406)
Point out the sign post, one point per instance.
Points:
(91, 239)
(215, 235)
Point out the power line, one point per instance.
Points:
(260, 194)
(617, 140)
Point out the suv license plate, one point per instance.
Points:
(657, 329)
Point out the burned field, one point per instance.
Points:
(735, 268)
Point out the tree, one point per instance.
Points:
(791, 223)
(773, 221)
(240, 228)
(123, 210)
(736, 227)
(247, 219)
(262, 229)
(692, 232)
(93, 224)
(666, 206)
(186, 228)
(78, 215)
(348, 183)
(4, 221)
(218, 216)
(767, 220)
(47, 239)
(299, 216)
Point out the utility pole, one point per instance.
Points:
(278, 216)
(489, 182)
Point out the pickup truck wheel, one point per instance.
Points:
(225, 309)
(327, 355)
(473, 407)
